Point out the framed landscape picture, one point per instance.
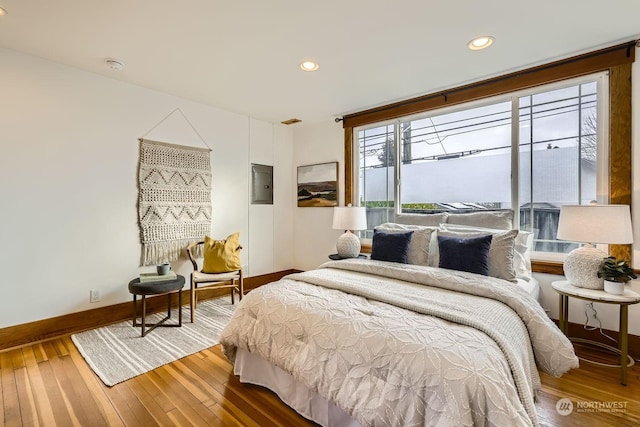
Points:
(318, 185)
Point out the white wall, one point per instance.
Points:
(315, 239)
(260, 216)
(68, 192)
(284, 197)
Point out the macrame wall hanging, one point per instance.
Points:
(174, 198)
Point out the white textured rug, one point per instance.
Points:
(117, 352)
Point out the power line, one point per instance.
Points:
(499, 122)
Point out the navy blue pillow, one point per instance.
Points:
(390, 246)
(470, 255)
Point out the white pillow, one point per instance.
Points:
(522, 255)
(428, 220)
(419, 252)
(523, 246)
(501, 251)
(502, 220)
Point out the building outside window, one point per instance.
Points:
(461, 159)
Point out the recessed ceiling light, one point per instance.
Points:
(480, 42)
(3, 12)
(309, 66)
(114, 64)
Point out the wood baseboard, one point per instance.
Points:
(26, 333)
(18, 335)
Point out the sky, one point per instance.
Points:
(487, 129)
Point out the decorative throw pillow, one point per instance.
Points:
(500, 252)
(500, 255)
(221, 256)
(471, 255)
(419, 252)
(392, 247)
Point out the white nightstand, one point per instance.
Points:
(566, 290)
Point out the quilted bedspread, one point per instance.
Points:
(403, 345)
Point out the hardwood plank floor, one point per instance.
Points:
(50, 384)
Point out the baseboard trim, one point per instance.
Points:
(27, 333)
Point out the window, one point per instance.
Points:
(560, 151)
(462, 159)
(614, 124)
(376, 178)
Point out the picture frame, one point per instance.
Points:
(318, 185)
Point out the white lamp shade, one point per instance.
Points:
(595, 224)
(349, 218)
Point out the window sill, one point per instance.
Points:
(548, 267)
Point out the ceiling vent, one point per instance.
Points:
(291, 121)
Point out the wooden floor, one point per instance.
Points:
(49, 384)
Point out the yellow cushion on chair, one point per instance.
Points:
(222, 255)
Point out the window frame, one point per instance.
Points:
(601, 79)
(617, 60)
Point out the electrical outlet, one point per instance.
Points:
(94, 295)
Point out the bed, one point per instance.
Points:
(379, 342)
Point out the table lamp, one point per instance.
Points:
(349, 218)
(592, 224)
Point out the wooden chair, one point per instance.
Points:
(200, 280)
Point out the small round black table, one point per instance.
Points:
(337, 257)
(160, 287)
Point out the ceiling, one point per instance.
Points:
(243, 56)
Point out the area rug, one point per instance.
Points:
(117, 352)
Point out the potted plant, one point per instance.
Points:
(616, 274)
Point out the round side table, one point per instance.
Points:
(160, 287)
(565, 289)
(337, 257)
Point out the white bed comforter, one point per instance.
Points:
(390, 351)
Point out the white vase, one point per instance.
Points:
(614, 288)
(581, 267)
(348, 245)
